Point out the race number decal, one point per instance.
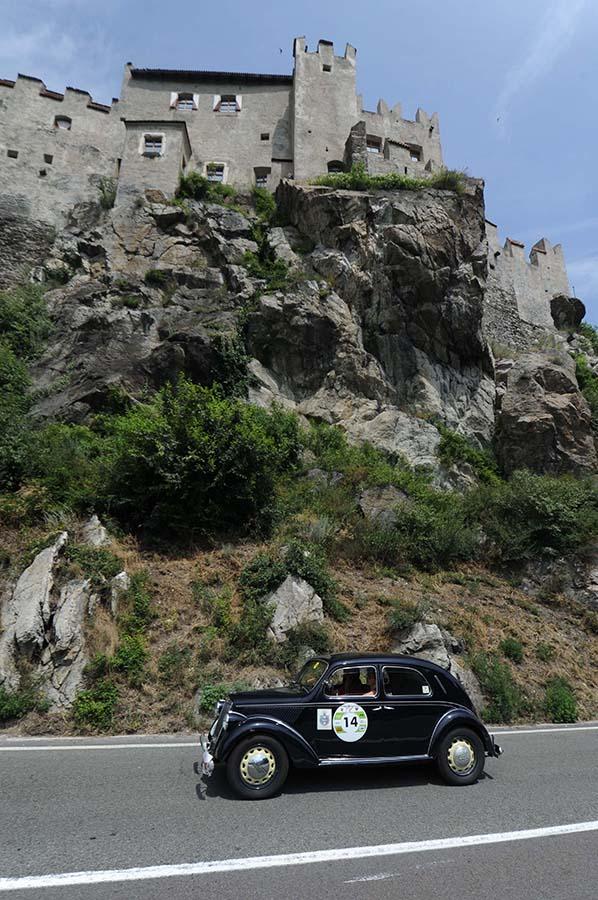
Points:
(350, 722)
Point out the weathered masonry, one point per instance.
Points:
(244, 129)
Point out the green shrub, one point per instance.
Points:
(107, 188)
(69, 462)
(193, 461)
(590, 333)
(265, 204)
(172, 664)
(359, 180)
(95, 707)
(432, 531)
(212, 693)
(588, 383)
(545, 652)
(219, 610)
(534, 515)
(248, 643)
(560, 701)
(16, 432)
(512, 649)
(157, 278)
(506, 700)
(136, 605)
(315, 636)
(95, 562)
(24, 320)
(454, 448)
(130, 657)
(194, 186)
(265, 573)
(275, 272)
(16, 704)
(230, 367)
(404, 614)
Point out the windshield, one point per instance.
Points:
(311, 672)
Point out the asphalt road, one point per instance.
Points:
(107, 806)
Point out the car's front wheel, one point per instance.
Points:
(460, 756)
(257, 767)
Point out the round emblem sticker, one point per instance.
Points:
(350, 722)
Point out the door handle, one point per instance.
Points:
(390, 708)
(377, 709)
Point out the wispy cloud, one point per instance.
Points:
(555, 34)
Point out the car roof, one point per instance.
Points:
(381, 658)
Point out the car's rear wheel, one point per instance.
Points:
(257, 767)
(460, 756)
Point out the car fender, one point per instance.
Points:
(460, 717)
(300, 752)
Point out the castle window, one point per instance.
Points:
(265, 136)
(185, 102)
(228, 103)
(335, 166)
(215, 172)
(416, 154)
(373, 143)
(12, 154)
(326, 68)
(261, 176)
(63, 122)
(42, 173)
(152, 145)
(48, 158)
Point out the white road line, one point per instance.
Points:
(173, 745)
(544, 730)
(211, 867)
(99, 747)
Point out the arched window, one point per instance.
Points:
(335, 166)
(63, 122)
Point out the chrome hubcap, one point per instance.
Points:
(257, 766)
(461, 756)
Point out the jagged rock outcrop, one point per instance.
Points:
(428, 641)
(378, 504)
(544, 421)
(567, 312)
(44, 617)
(294, 603)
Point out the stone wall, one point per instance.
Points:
(139, 172)
(256, 136)
(46, 169)
(519, 289)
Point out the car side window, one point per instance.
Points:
(403, 681)
(352, 681)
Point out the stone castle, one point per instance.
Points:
(243, 129)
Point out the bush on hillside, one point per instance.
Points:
(534, 515)
(561, 705)
(506, 700)
(193, 460)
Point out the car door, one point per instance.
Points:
(346, 720)
(411, 705)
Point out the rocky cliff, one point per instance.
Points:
(376, 326)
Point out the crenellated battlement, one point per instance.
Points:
(527, 281)
(30, 85)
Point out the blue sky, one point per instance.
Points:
(514, 82)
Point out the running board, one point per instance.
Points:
(372, 760)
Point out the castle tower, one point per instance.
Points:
(324, 106)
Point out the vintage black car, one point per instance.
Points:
(348, 709)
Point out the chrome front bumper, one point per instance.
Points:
(207, 760)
